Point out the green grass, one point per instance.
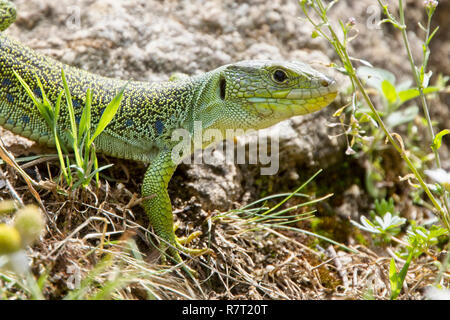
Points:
(261, 217)
(80, 137)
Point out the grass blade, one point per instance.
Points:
(108, 114)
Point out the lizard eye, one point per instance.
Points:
(279, 76)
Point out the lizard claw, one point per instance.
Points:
(187, 240)
(182, 241)
(174, 249)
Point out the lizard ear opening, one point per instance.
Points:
(222, 87)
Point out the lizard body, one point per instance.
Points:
(244, 95)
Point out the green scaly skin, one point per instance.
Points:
(244, 95)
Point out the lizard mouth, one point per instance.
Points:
(288, 103)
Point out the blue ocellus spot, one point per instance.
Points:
(25, 119)
(159, 126)
(9, 97)
(37, 92)
(129, 123)
(6, 82)
(76, 103)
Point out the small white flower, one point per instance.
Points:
(441, 176)
(430, 4)
(350, 151)
(18, 262)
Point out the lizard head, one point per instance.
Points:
(259, 93)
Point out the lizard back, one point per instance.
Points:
(143, 123)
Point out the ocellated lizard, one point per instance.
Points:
(249, 94)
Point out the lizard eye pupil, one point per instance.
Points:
(279, 76)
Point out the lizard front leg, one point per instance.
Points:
(159, 208)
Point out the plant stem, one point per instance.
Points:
(419, 84)
(341, 50)
(417, 78)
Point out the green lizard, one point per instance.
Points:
(243, 95)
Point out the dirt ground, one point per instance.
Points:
(150, 40)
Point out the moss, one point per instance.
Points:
(328, 279)
(332, 227)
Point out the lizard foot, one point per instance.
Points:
(182, 241)
(173, 250)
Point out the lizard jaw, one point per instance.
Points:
(295, 102)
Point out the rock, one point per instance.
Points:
(217, 185)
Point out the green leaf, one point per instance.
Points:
(382, 207)
(339, 111)
(432, 35)
(70, 107)
(108, 114)
(404, 85)
(409, 94)
(366, 225)
(402, 116)
(437, 142)
(422, 27)
(60, 147)
(362, 61)
(58, 107)
(394, 280)
(365, 62)
(330, 5)
(30, 93)
(85, 121)
(375, 76)
(73, 135)
(397, 278)
(389, 91)
(93, 173)
(36, 101)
